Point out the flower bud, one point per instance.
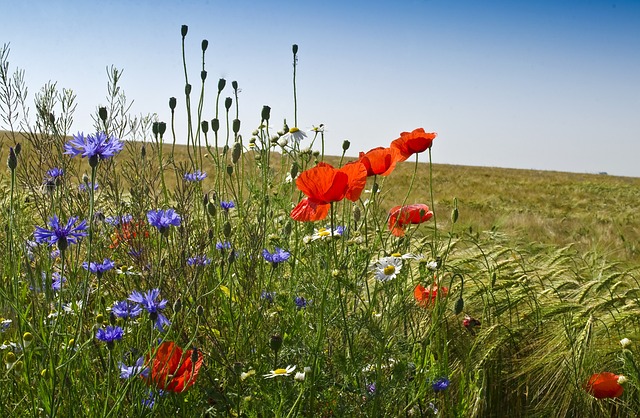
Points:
(234, 84)
(20, 364)
(229, 169)
(177, 305)
(187, 89)
(227, 103)
(10, 359)
(204, 125)
(162, 128)
(236, 153)
(203, 75)
(357, 213)
(12, 161)
(226, 229)
(52, 118)
(102, 112)
(204, 45)
(266, 113)
(221, 83)
(236, 126)
(215, 124)
(459, 306)
(184, 30)
(275, 342)
(345, 145)
(172, 103)
(294, 169)
(294, 48)
(112, 318)
(200, 310)
(27, 339)
(143, 151)
(99, 319)
(454, 212)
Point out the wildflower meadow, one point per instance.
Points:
(255, 276)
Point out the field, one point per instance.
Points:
(139, 278)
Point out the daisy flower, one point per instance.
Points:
(294, 135)
(387, 268)
(280, 372)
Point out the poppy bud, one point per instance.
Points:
(52, 118)
(187, 89)
(221, 84)
(172, 103)
(225, 149)
(232, 257)
(12, 161)
(234, 84)
(236, 126)
(204, 125)
(294, 48)
(294, 170)
(275, 342)
(345, 145)
(237, 367)
(226, 229)
(154, 129)
(162, 128)
(227, 103)
(143, 151)
(230, 169)
(102, 112)
(266, 113)
(375, 189)
(184, 30)
(203, 75)
(287, 228)
(236, 153)
(200, 310)
(357, 213)
(215, 124)
(177, 305)
(204, 45)
(112, 318)
(459, 306)
(454, 212)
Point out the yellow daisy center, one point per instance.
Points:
(389, 270)
(280, 371)
(323, 232)
(293, 130)
(396, 255)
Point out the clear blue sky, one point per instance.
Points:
(552, 85)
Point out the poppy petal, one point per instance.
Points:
(357, 179)
(604, 385)
(413, 142)
(379, 161)
(323, 183)
(308, 211)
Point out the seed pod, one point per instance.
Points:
(172, 103)
(275, 342)
(236, 126)
(187, 89)
(227, 103)
(204, 125)
(236, 153)
(162, 128)
(204, 45)
(102, 112)
(345, 145)
(215, 124)
(459, 306)
(221, 83)
(183, 30)
(203, 75)
(266, 113)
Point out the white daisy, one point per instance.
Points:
(387, 268)
(294, 135)
(323, 233)
(280, 372)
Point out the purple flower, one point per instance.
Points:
(278, 256)
(83, 187)
(117, 220)
(440, 384)
(223, 246)
(95, 147)
(109, 335)
(300, 302)
(195, 176)
(57, 280)
(227, 205)
(99, 269)
(55, 173)
(371, 389)
(163, 219)
(198, 260)
(126, 310)
(268, 296)
(138, 369)
(61, 235)
(148, 302)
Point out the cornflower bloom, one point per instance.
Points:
(126, 310)
(278, 256)
(95, 147)
(57, 280)
(268, 296)
(148, 302)
(83, 187)
(163, 219)
(110, 335)
(226, 245)
(138, 369)
(195, 176)
(117, 220)
(59, 234)
(440, 384)
(226, 205)
(55, 173)
(300, 302)
(199, 260)
(99, 269)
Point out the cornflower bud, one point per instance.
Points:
(12, 161)
(102, 112)
(99, 319)
(112, 318)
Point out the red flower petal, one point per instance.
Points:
(413, 142)
(172, 371)
(426, 296)
(379, 161)
(308, 211)
(604, 385)
(399, 217)
(323, 183)
(357, 179)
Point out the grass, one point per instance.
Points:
(505, 311)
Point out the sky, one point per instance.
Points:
(547, 85)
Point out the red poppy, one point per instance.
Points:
(413, 142)
(173, 370)
(323, 185)
(425, 296)
(604, 385)
(128, 232)
(401, 216)
(379, 161)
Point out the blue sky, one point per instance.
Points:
(551, 85)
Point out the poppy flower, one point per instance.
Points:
(604, 385)
(379, 161)
(400, 216)
(173, 370)
(413, 142)
(425, 296)
(324, 184)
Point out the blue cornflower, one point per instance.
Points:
(99, 269)
(199, 260)
(226, 245)
(278, 256)
(440, 384)
(300, 302)
(151, 400)
(118, 219)
(61, 235)
(57, 280)
(371, 389)
(163, 219)
(110, 335)
(268, 296)
(148, 302)
(126, 310)
(95, 147)
(227, 205)
(138, 369)
(195, 176)
(55, 173)
(83, 187)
